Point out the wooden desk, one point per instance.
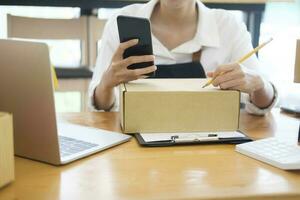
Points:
(183, 172)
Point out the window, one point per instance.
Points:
(63, 53)
(68, 101)
(282, 22)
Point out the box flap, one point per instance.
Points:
(168, 85)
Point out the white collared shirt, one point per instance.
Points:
(222, 38)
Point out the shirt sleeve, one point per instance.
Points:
(108, 45)
(253, 109)
(242, 45)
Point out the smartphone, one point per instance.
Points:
(136, 28)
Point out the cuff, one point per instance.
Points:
(91, 101)
(253, 109)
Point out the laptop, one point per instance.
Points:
(26, 90)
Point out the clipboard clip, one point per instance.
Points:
(194, 138)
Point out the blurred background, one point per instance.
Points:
(280, 20)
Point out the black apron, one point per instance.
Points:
(192, 69)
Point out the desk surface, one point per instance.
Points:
(183, 172)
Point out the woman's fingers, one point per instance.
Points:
(236, 84)
(142, 71)
(118, 71)
(231, 75)
(226, 72)
(210, 74)
(236, 77)
(224, 69)
(137, 59)
(131, 75)
(125, 45)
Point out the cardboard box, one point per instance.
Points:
(7, 170)
(177, 105)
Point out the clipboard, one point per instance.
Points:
(173, 139)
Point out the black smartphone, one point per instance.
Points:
(136, 28)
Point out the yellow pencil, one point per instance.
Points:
(245, 57)
(54, 78)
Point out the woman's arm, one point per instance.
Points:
(245, 77)
(104, 96)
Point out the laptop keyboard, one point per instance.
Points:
(69, 146)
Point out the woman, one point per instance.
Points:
(189, 40)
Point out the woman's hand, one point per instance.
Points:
(118, 73)
(236, 77)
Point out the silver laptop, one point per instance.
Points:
(27, 92)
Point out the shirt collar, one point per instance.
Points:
(207, 34)
(207, 31)
(147, 9)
